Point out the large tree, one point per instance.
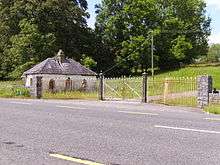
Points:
(37, 29)
(180, 29)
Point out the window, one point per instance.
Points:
(51, 85)
(68, 84)
(84, 85)
(31, 81)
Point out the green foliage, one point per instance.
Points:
(13, 89)
(180, 46)
(88, 62)
(17, 73)
(214, 53)
(30, 44)
(135, 51)
(180, 29)
(31, 31)
(35, 30)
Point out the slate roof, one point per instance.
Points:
(54, 66)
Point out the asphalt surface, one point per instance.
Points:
(111, 133)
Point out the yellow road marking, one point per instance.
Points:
(76, 160)
(138, 113)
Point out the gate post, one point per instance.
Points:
(204, 88)
(36, 89)
(101, 86)
(166, 90)
(144, 88)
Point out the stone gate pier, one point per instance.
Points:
(204, 90)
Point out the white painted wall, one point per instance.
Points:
(60, 81)
(28, 81)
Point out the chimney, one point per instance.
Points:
(60, 56)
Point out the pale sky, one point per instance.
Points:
(213, 10)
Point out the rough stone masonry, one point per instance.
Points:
(204, 89)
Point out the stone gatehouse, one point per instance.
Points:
(60, 74)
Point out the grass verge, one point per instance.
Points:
(215, 109)
(71, 95)
(13, 89)
(182, 101)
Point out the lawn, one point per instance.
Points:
(213, 71)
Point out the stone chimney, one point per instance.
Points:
(60, 56)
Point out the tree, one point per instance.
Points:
(180, 29)
(30, 44)
(32, 30)
(135, 51)
(214, 53)
(88, 62)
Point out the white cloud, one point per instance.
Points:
(215, 3)
(214, 38)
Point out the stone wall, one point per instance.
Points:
(214, 98)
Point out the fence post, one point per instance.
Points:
(144, 88)
(204, 89)
(101, 86)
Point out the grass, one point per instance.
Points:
(126, 88)
(131, 88)
(71, 95)
(213, 71)
(181, 84)
(215, 109)
(13, 89)
(183, 101)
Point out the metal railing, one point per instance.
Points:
(169, 91)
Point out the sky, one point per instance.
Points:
(213, 11)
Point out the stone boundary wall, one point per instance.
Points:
(214, 98)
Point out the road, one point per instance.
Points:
(56, 132)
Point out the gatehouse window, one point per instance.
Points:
(84, 85)
(68, 84)
(31, 81)
(51, 85)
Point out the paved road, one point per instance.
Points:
(37, 132)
